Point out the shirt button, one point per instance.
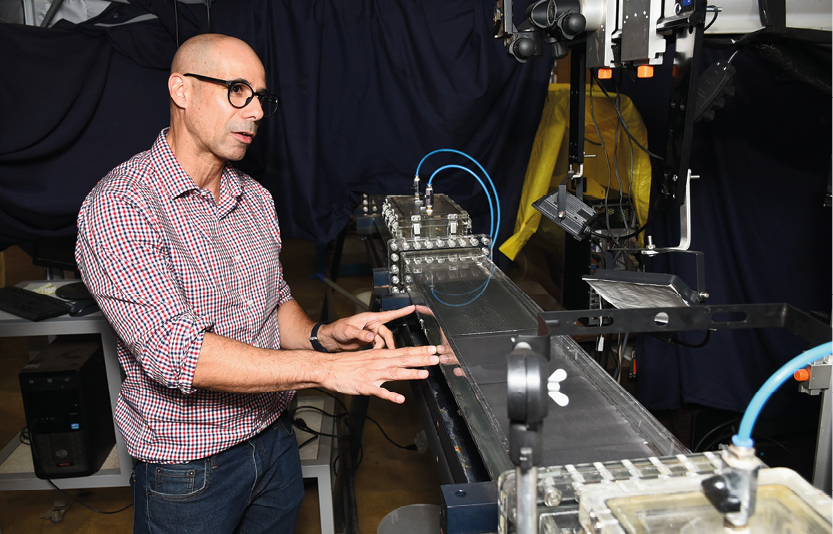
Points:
(237, 258)
(250, 303)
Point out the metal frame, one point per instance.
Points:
(13, 326)
(665, 320)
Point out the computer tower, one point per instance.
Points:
(67, 405)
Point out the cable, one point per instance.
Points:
(488, 195)
(677, 341)
(632, 234)
(325, 392)
(623, 122)
(311, 439)
(176, 23)
(631, 201)
(607, 157)
(617, 104)
(87, 506)
(744, 436)
(486, 174)
(712, 431)
(25, 438)
(411, 447)
(709, 25)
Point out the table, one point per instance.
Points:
(16, 470)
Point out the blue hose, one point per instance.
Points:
(488, 196)
(744, 436)
(486, 174)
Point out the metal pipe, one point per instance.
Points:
(526, 497)
(361, 305)
(50, 13)
(822, 468)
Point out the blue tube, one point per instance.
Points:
(486, 174)
(488, 196)
(484, 285)
(744, 436)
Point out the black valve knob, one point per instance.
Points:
(572, 23)
(523, 47)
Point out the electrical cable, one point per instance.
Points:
(411, 447)
(623, 122)
(25, 438)
(677, 341)
(176, 23)
(617, 104)
(702, 440)
(709, 25)
(338, 400)
(632, 234)
(87, 506)
(607, 158)
(407, 447)
(631, 201)
(744, 436)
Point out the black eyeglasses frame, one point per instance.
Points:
(262, 96)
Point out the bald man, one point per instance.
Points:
(181, 252)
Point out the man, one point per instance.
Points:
(181, 252)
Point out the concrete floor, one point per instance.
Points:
(387, 478)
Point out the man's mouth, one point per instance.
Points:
(244, 137)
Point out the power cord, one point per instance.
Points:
(25, 438)
(301, 424)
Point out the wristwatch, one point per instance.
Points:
(313, 339)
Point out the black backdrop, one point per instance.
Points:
(367, 88)
(758, 215)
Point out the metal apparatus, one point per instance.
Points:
(420, 232)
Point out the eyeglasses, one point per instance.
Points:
(241, 93)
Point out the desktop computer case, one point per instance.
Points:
(67, 405)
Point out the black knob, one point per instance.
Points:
(573, 23)
(524, 47)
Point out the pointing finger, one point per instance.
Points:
(387, 316)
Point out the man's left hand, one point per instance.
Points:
(357, 331)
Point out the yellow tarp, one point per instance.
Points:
(548, 160)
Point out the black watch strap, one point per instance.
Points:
(313, 339)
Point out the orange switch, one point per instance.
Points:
(605, 74)
(802, 375)
(645, 71)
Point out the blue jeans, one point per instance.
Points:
(255, 486)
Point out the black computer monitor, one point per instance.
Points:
(56, 252)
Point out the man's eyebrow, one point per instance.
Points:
(263, 91)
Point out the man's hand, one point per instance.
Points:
(364, 372)
(357, 331)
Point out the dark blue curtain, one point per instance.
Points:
(367, 88)
(758, 214)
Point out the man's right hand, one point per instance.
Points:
(364, 372)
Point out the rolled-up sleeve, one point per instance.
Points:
(123, 261)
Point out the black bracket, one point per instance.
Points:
(677, 319)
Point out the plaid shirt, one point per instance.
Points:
(166, 264)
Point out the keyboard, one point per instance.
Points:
(31, 305)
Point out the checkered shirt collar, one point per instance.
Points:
(177, 181)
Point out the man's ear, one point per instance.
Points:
(178, 89)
